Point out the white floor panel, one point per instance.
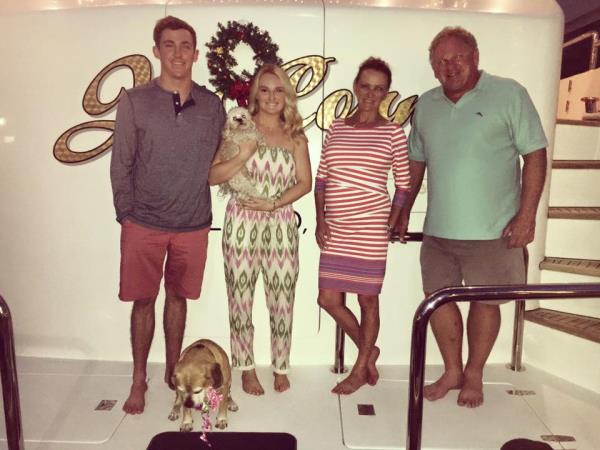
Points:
(572, 412)
(501, 418)
(61, 407)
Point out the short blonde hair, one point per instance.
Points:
(456, 32)
(292, 121)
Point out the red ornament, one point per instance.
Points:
(240, 91)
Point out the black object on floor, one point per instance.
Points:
(525, 444)
(225, 440)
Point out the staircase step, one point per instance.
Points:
(583, 123)
(576, 164)
(581, 326)
(572, 265)
(574, 212)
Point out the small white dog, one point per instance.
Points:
(239, 128)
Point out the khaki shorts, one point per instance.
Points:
(143, 252)
(450, 262)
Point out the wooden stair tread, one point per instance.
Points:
(576, 164)
(572, 265)
(582, 326)
(583, 123)
(574, 212)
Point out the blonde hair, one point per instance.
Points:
(292, 121)
(456, 32)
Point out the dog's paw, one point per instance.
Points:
(232, 406)
(186, 426)
(174, 415)
(221, 424)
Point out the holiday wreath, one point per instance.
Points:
(221, 61)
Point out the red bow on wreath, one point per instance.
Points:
(240, 91)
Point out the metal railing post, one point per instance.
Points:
(470, 294)
(10, 386)
(340, 338)
(516, 359)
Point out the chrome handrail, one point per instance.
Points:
(595, 45)
(470, 294)
(338, 358)
(10, 386)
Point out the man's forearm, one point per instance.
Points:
(532, 182)
(417, 173)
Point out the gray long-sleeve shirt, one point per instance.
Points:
(162, 152)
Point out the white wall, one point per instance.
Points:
(59, 243)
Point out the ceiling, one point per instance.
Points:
(579, 14)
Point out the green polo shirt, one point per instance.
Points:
(471, 149)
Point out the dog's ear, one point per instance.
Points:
(217, 375)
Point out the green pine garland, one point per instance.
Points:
(221, 62)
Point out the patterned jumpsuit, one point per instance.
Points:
(255, 241)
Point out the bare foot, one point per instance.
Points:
(449, 380)
(353, 382)
(471, 393)
(169, 378)
(373, 373)
(281, 383)
(135, 402)
(250, 383)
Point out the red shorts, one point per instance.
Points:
(143, 253)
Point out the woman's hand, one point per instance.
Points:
(259, 204)
(322, 234)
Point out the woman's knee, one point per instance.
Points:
(368, 302)
(329, 299)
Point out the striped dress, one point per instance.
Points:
(353, 172)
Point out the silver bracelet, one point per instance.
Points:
(277, 197)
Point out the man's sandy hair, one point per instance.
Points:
(456, 32)
(171, 23)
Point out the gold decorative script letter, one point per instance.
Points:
(142, 73)
(316, 64)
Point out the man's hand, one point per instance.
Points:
(520, 230)
(401, 226)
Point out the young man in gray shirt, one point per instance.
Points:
(166, 135)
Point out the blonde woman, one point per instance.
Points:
(260, 234)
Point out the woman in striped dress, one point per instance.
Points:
(355, 214)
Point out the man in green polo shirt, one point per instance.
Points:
(470, 133)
